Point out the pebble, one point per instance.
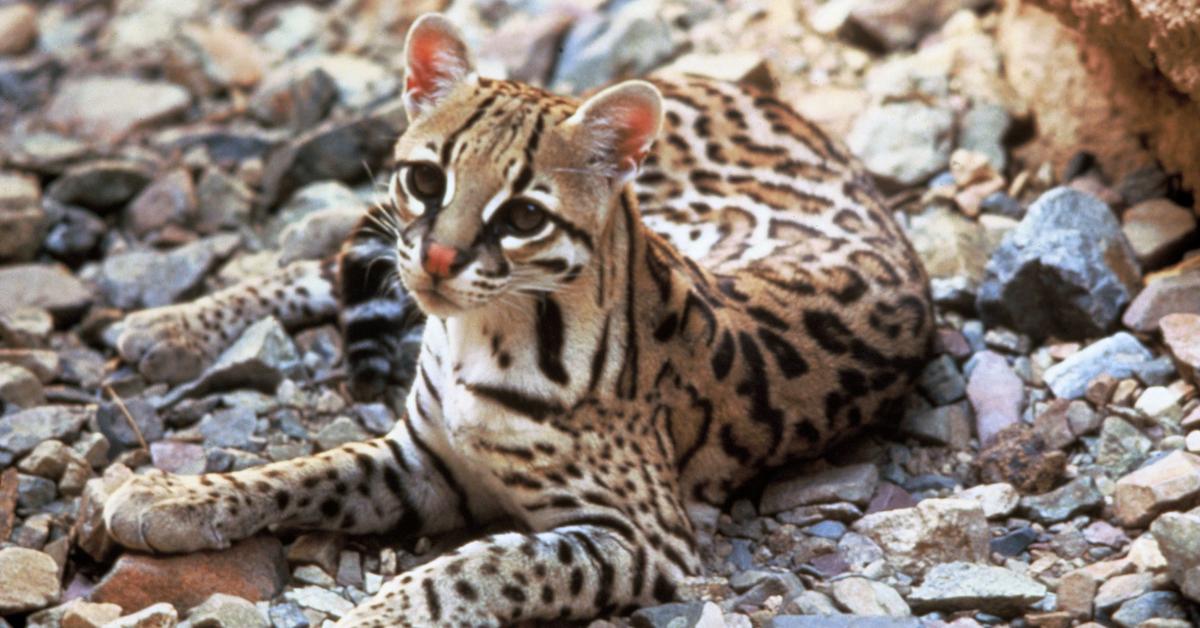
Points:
(319, 599)
(942, 382)
(1155, 604)
(597, 49)
(226, 611)
(168, 200)
(75, 234)
(160, 615)
(31, 580)
(101, 185)
(319, 234)
(1181, 333)
(252, 569)
(1170, 482)
(22, 431)
(178, 457)
(854, 483)
(1173, 294)
(961, 586)
(1013, 543)
(903, 143)
(1156, 229)
(43, 286)
(668, 615)
(26, 328)
(35, 492)
(108, 108)
(227, 57)
(295, 99)
(228, 427)
(997, 500)
(861, 596)
(287, 615)
(841, 621)
(80, 614)
(20, 387)
(143, 279)
(946, 425)
(377, 418)
(1117, 589)
(1073, 498)
(1117, 356)
(260, 359)
(223, 202)
(1066, 271)
(18, 28)
(997, 395)
(934, 531)
(1121, 446)
(1178, 536)
(22, 219)
(338, 432)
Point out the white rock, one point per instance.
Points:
(996, 500)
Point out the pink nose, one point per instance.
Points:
(439, 259)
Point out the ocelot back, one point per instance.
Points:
(619, 331)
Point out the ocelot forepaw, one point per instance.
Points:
(163, 346)
(165, 513)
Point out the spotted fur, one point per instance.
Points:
(607, 379)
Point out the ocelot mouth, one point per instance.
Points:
(434, 303)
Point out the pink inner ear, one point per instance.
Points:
(428, 48)
(637, 124)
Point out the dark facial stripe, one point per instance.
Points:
(535, 408)
(599, 355)
(551, 336)
(452, 139)
(627, 381)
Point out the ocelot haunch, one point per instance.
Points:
(633, 303)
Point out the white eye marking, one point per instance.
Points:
(493, 205)
(513, 242)
(548, 201)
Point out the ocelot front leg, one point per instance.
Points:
(609, 533)
(389, 484)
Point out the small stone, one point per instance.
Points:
(80, 614)
(854, 483)
(745, 67)
(259, 360)
(142, 279)
(314, 575)
(18, 28)
(1172, 294)
(1178, 536)
(178, 457)
(43, 286)
(1082, 419)
(101, 185)
(161, 615)
(293, 99)
(997, 395)
(841, 621)
(996, 500)
(47, 460)
(22, 218)
(226, 611)
(109, 108)
(341, 431)
(223, 202)
(28, 327)
(1144, 552)
(317, 548)
(168, 200)
(597, 49)
(376, 417)
(1076, 497)
(21, 432)
(1181, 333)
(1156, 229)
(903, 143)
(20, 387)
(1121, 446)
(1118, 589)
(942, 382)
(1153, 605)
(964, 586)
(287, 615)
(319, 599)
(350, 570)
(227, 57)
(1171, 482)
(1066, 271)
(229, 427)
(31, 580)
(1013, 543)
(861, 596)
(35, 492)
(45, 365)
(1161, 404)
(827, 529)
(934, 531)
(668, 615)
(252, 569)
(1193, 441)
(946, 425)
(1104, 533)
(1117, 356)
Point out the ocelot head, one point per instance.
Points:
(502, 189)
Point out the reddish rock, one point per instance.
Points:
(1174, 294)
(1181, 332)
(1169, 483)
(890, 497)
(253, 569)
(1020, 457)
(997, 395)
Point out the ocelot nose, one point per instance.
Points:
(440, 261)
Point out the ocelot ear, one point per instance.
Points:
(620, 124)
(436, 59)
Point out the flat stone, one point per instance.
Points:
(942, 382)
(259, 359)
(228, 427)
(1076, 497)
(1013, 543)
(997, 395)
(223, 202)
(143, 279)
(1178, 536)
(22, 219)
(854, 483)
(963, 586)
(997, 500)
(45, 365)
(27, 327)
(840, 621)
(80, 614)
(31, 580)
(1117, 356)
(294, 98)
(168, 200)
(1156, 229)
(227, 57)
(101, 185)
(1181, 333)
(1053, 426)
(319, 234)
(934, 531)
(161, 615)
(18, 28)
(227, 611)
(861, 596)
(252, 569)
(903, 143)
(1066, 271)
(340, 431)
(21, 432)
(177, 457)
(109, 108)
(319, 599)
(1118, 589)
(668, 615)
(945, 425)
(43, 286)
(634, 39)
(288, 615)
(1121, 446)
(1167, 484)
(20, 387)
(1172, 294)
(1153, 605)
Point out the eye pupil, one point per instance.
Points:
(427, 182)
(524, 217)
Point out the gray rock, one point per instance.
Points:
(226, 611)
(946, 425)
(115, 425)
(854, 483)
(1002, 204)
(293, 98)
(222, 202)
(1178, 536)
(1144, 184)
(960, 586)
(74, 235)
(599, 48)
(376, 417)
(21, 432)
(861, 596)
(28, 327)
(996, 394)
(942, 382)
(903, 143)
(229, 427)
(320, 234)
(142, 279)
(102, 185)
(898, 24)
(1065, 271)
(33, 492)
(318, 599)
(288, 615)
(1013, 543)
(339, 432)
(1157, 230)
(260, 359)
(1156, 604)
(982, 130)
(43, 286)
(1121, 447)
(934, 531)
(1076, 497)
(30, 580)
(841, 621)
(1119, 356)
(111, 107)
(676, 615)
(827, 529)
(170, 199)
(161, 615)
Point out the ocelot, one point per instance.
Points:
(632, 305)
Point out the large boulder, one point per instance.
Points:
(1065, 271)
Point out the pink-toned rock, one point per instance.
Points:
(1181, 332)
(1170, 483)
(1157, 229)
(997, 395)
(1165, 295)
(253, 569)
(176, 457)
(109, 108)
(228, 56)
(18, 28)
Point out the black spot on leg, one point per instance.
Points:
(664, 591)
(282, 498)
(576, 581)
(331, 507)
(466, 590)
(513, 593)
(432, 600)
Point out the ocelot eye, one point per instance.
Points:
(522, 216)
(427, 182)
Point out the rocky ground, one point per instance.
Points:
(1047, 472)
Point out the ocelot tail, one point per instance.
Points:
(633, 304)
